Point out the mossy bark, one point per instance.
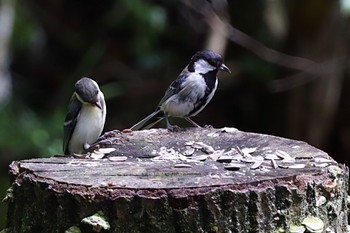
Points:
(149, 194)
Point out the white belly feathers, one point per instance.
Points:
(88, 129)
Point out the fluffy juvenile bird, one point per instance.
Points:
(85, 118)
(190, 92)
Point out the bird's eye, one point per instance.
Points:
(215, 63)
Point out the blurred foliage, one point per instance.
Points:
(134, 49)
(26, 32)
(25, 132)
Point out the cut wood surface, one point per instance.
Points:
(192, 180)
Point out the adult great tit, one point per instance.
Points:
(86, 117)
(190, 92)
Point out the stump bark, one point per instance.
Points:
(193, 180)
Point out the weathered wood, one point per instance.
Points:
(193, 180)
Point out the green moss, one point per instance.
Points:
(98, 221)
(7, 230)
(214, 228)
(73, 229)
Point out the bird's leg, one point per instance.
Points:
(96, 145)
(192, 122)
(169, 126)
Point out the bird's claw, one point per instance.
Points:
(174, 128)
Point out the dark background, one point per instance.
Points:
(134, 49)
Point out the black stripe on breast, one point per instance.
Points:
(210, 79)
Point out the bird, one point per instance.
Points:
(190, 92)
(86, 117)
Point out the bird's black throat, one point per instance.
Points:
(210, 80)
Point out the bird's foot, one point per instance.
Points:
(174, 128)
(109, 134)
(208, 127)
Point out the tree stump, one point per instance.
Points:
(192, 180)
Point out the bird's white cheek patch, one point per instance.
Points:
(203, 67)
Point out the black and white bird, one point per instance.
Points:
(85, 118)
(190, 92)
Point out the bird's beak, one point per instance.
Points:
(98, 104)
(223, 67)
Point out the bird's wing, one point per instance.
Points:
(71, 121)
(104, 107)
(149, 121)
(158, 115)
(174, 88)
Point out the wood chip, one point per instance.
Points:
(248, 150)
(117, 158)
(283, 166)
(182, 165)
(282, 154)
(274, 164)
(197, 145)
(229, 130)
(105, 150)
(296, 166)
(95, 155)
(237, 157)
(271, 156)
(321, 164)
(212, 135)
(322, 160)
(189, 151)
(189, 143)
(239, 150)
(257, 163)
(204, 147)
(234, 154)
(214, 156)
(248, 159)
(288, 160)
(214, 176)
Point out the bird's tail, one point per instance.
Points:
(149, 121)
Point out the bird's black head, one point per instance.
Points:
(87, 90)
(206, 61)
